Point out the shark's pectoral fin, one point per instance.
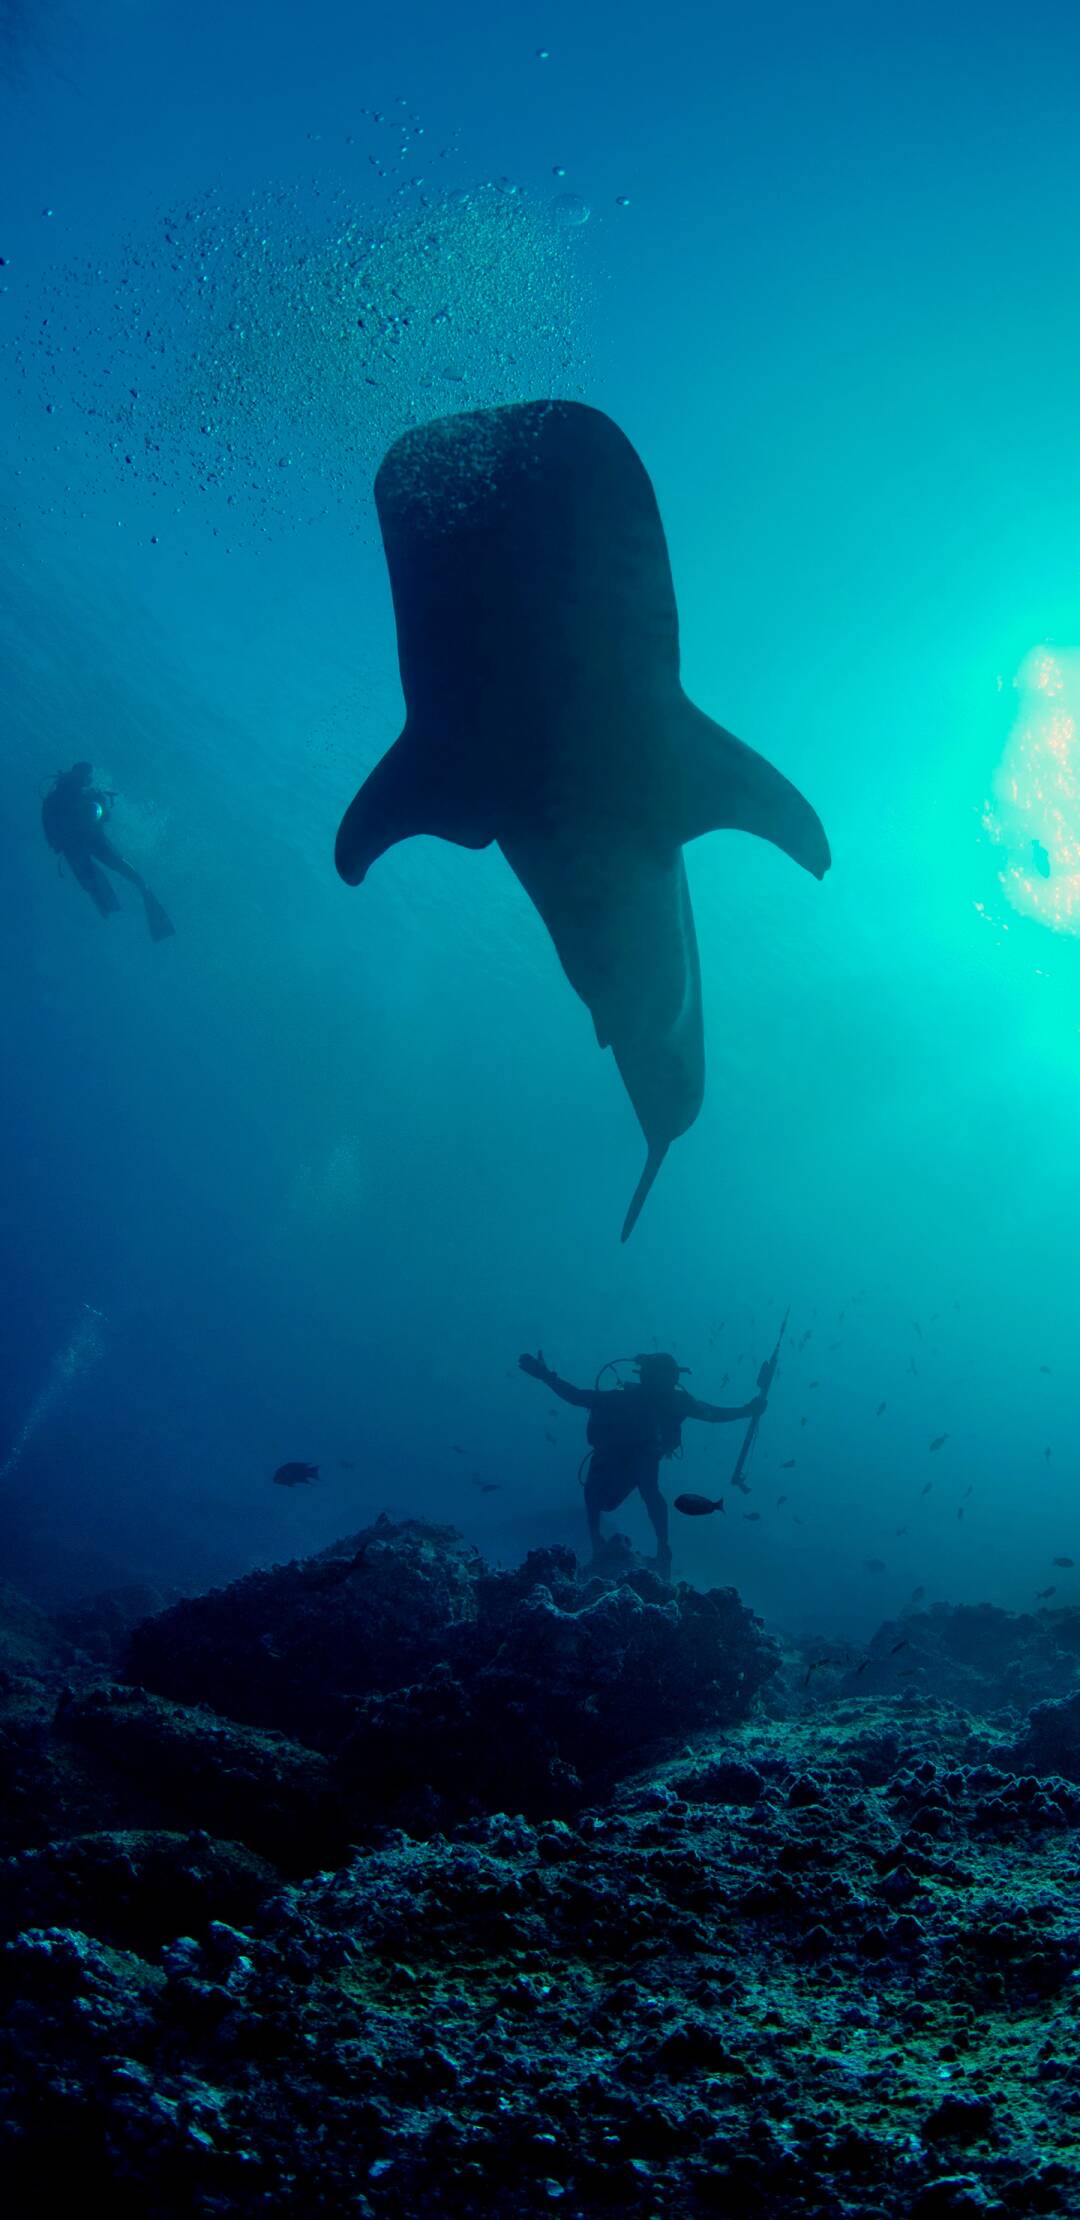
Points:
(723, 784)
(412, 790)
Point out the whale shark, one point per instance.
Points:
(538, 645)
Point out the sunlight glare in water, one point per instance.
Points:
(80, 1354)
(1034, 817)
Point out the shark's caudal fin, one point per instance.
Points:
(653, 1161)
(410, 791)
(723, 784)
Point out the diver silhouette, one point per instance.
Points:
(630, 1429)
(74, 814)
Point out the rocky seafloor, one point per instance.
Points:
(387, 1884)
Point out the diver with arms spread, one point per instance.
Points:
(74, 814)
(630, 1429)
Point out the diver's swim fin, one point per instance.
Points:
(160, 923)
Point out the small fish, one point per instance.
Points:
(939, 1441)
(913, 1367)
(725, 1379)
(788, 1465)
(698, 1506)
(917, 1327)
(900, 1530)
(795, 1520)
(874, 1564)
(1046, 1454)
(779, 1500)
(813, 1384)
(551, 1439)
(881, 1409)
(1045, 1368)
(1041, 1594)
(928, 1487)
(553, 1414)
(293, 1476)
(346, 1464)
(816, 1665)
(833, 1345)
(861, 1667)
(916, 1595)
(1067, 1562)
(457, 1449)
(960, 1512)
(969, 1490)
(902, 1644)
(752, 1516)
(802, 1420)
(1040, 859)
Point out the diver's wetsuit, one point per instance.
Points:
(73, 816)
(646, 1425)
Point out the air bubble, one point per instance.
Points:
(569, 210)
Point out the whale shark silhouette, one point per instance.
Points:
(539, 650)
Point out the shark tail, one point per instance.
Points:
(653, 1161)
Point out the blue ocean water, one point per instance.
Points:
(303, 1181)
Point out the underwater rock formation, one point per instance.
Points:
(440, 1687)
(972, 1654)
(794, 1967)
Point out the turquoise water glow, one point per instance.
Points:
(329, 1160)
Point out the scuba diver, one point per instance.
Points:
(630, 1428)
(73, 817)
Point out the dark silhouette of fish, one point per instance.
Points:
(752, 1516)
(916, 1595)
(900, 1530)
(874, 1564)
(1045, 1368)
(926, 1490)
(779, 1500)
(346, 1464)
(1042, 1594)
(698, 1506)
(487, 1487)
(902, 1644)
(539, 651)
(881, 1409)
(939, 1441)
(294, 1475)
(788, 1465)
(1066, 1562)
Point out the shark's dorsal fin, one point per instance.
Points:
(412, 790)
(722, 785)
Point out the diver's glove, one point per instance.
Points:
(535, 1366)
